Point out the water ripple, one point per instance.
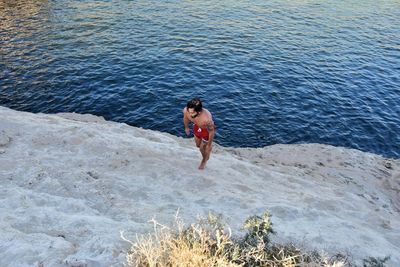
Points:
(271, 72)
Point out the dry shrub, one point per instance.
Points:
(209, 243)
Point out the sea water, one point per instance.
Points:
(269, 71)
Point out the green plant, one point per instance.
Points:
(375, 262)
(209, 243)
(258, 229)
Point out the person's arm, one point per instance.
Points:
(211, 132)
(186, 122)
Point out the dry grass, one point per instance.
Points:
(209, 243)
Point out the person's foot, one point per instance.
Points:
(202, 164)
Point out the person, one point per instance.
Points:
(203, 128)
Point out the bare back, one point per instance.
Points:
(202, 120)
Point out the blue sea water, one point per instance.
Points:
(269, 71)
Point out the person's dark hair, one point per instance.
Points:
(195, 103)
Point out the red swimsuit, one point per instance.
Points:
(201, 133)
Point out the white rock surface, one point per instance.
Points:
(69, 183)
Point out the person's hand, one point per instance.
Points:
(187, 131)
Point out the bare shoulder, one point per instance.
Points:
(207, 120)
(208, 114)
(185, 112)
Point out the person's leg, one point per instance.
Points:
(199, 145)
(204, 154)
(207, 154)
(197, 141)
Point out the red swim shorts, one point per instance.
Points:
(201, 133)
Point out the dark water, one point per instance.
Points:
(269, 71)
